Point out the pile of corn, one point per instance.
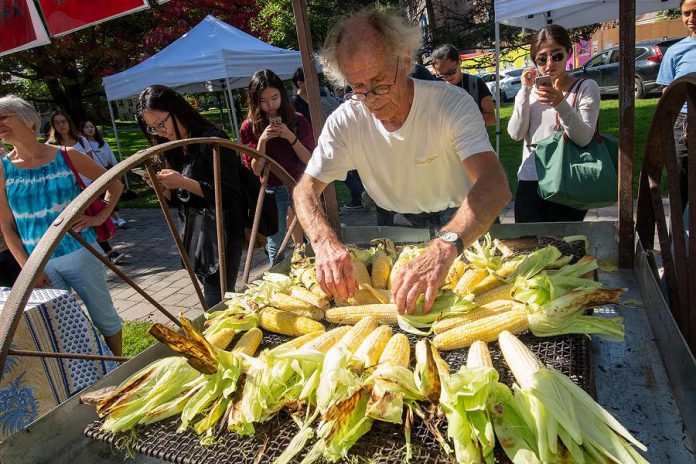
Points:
(336, 383)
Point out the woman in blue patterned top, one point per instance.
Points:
(36, 184)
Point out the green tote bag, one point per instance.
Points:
(579, 177)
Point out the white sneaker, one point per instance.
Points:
(120, 222)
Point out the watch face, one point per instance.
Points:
(449, 236)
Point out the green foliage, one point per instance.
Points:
(277, 22)
(136, 338)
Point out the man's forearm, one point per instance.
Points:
(311, 214)
(478, 211)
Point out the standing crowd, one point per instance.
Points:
(414, 145)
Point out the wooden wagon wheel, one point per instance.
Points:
(659, 156)
(19, 296)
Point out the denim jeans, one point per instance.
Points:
(355, 186)
(282, 197)
(85, 274)
(211, 283)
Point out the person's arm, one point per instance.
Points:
(485, 99)
(333, 262)
(581, 123)
(110, 156)
(90, 169)
(518, 126)
(8, 227)
(488, 196)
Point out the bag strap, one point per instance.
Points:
(80, 182)
(575, 90)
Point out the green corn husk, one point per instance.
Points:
(511, 429)
(446, 304)
(563, 417)
(157, 384)
(408, 253)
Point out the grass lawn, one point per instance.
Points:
(136, 338)
(132, 140)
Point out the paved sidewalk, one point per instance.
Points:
(152, 261)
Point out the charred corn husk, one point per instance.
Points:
(385, 314)
(287, 323)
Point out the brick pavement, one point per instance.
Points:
(153, 262)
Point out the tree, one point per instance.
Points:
(71, 67)
(277, 22)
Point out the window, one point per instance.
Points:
(598, 60)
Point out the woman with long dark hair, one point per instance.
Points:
(274, 128)
(63, 132)
(188, 180)
(542, 106)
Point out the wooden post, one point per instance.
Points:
(304, 38)
(627, 40)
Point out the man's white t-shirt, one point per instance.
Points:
(417, 168)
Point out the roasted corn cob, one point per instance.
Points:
(287, 323)
(486, 329)
(385, 313)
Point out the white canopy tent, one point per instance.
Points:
(213, 55)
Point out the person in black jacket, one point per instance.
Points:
(187, 176)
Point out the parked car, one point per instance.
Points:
(489, 79)
(604, 67)
(510, 84)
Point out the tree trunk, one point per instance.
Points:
(69, 98)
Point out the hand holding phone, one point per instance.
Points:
(275, 120)
(543, 81)
(139, 171)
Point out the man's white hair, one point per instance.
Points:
(399, 38)
(12, 104)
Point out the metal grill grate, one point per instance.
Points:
(384, 443)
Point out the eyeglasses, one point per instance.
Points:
(3, 117)
(541, 60)
(61, 123)
(449, 73)
(382, 89)
(159, 127)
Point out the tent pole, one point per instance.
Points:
(497, 88)
(118, 142)
(233, 111)
(304, 38)
(627, 40)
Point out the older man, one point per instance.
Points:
(421, 149)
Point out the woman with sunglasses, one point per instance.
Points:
(543, 106)
(188, 183)
(275, 129)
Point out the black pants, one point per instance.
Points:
(105, 246)
(432, 221)
(355, 186)
(682, 158)
(9, 269)
(211, 283)
(530, 207)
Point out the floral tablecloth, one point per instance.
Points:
(30, 387)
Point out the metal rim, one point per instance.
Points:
(20, 292)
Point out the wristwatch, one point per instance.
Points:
(452, 238)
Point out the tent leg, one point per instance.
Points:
(118, 141)
(497, 88)
(233, 111)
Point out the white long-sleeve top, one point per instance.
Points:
(534, 121)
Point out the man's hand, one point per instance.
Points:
(334, 268)
(425, 274)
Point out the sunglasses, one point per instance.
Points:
(556, 57)
(449, 73)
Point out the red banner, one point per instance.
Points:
(65, 16)
(20, 26)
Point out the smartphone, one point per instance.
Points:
(543, 81)
(139, 171)
(275, 120)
